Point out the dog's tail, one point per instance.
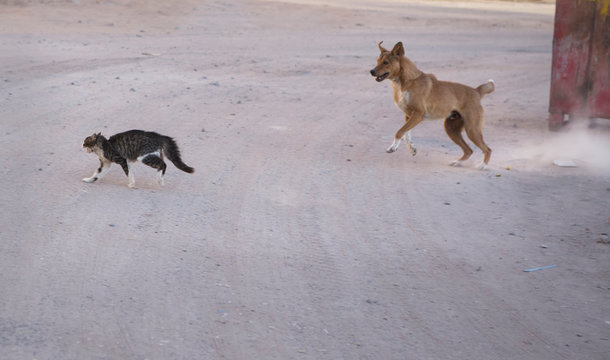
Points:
(486, 88)
(170, 149)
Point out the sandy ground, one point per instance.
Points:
(298, 237)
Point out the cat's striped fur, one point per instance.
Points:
(134, 145)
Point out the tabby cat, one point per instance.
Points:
(134, 145)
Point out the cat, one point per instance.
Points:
(130, 146)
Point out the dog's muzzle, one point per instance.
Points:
(380, 77)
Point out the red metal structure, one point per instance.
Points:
(580, 76)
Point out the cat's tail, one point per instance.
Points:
(170, 149)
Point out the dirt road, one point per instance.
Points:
(297, 237)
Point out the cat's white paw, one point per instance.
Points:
(89, 180)
(160, 180)
(131, 185)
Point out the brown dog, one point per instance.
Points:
(421, 95)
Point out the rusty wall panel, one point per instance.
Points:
(580, 82)
(571, 47)
(599, 69)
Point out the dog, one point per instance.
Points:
(420, 95)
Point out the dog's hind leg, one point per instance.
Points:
(477, 138)
(475, 133)
(454, 124)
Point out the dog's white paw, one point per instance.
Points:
(89, 180)
(456, 163)
(391, 149)
(394, 146)
(481, 166)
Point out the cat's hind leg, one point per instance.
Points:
(100, 172)
(156, 162)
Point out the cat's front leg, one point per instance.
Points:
(123, 162)
(125, 165)
(132, 180)
(100, 172)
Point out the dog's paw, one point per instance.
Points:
(412, 149)
(89, 180)
(391, 149)
(481, 166)
(394, 146)
(456, 163)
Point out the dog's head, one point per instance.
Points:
(92, 142)
(388, 63)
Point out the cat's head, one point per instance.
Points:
(93, 141)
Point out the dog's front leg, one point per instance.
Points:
(404, 133)
(394, 146)
(407, 139)
(409, 143)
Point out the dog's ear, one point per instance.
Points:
(398, 50)
(381, 48)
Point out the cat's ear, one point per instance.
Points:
(98, 134)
